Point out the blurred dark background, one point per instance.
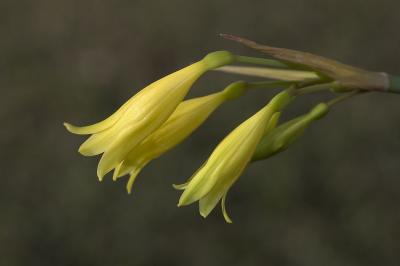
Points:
(332, 199)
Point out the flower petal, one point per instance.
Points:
(102, 125)
(224, 212)
(229, 157)
(97, 143)
(117, 171)
(184, 185)
(180, 186)
(188, 116)
(154, 107)
(208, 203)
(201, 183)
(132, 178)
(121, 145)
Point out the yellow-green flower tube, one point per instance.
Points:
(142, 114)
(187, 117)
(212, 181)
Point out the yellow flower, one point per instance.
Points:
(188, 116)
(212, 181)
(142, 114)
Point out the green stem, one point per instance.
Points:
(260, 61)
(344, 97)
(394, 84)
(316, 88)
(269, 84)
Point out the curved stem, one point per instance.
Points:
(345, 97)
(394, 84)
(260, 61)
(316, 88)
(269, 84)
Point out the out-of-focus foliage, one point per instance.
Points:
(331, 199)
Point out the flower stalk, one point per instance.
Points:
(158, 118)
(211, 182)
(260, 61)
(394, 82)
(348, 76)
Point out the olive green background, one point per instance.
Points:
(332, 199)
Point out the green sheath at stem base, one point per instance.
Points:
(394, 84)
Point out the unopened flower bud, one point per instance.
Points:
(280, 138)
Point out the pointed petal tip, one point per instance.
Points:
(179, 186)
(132, 179)
(203, 214)
(115, 174)
(100, 174)
(103, 168)
(83, 151)
(130, 182)
(75, 129)
(226, 217)
(224, 211)
(228, 221)
(129, 188)
(87, 130)
(69, 127)
(182, 202)
(186, 199)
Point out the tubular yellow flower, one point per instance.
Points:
(212, 181)
(187, 117)
(142, 114)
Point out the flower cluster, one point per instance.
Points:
(141, 115)
(158, 118)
